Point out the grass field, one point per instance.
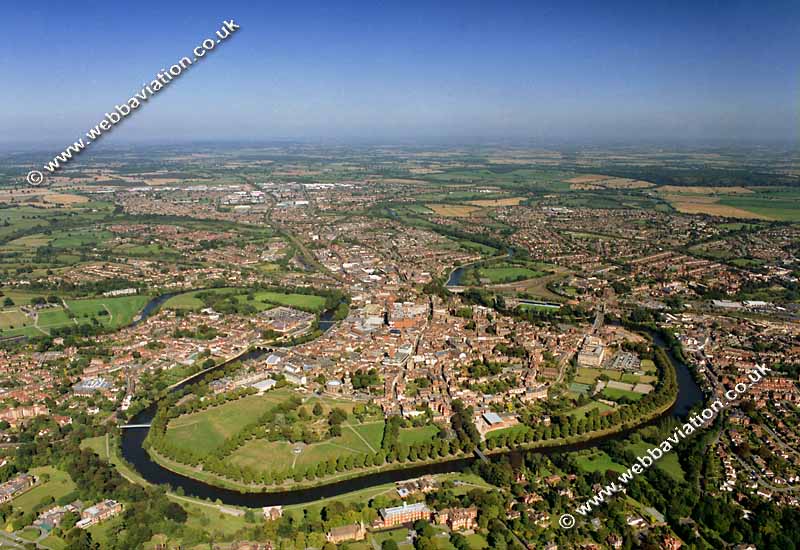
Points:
(278, 455)
(582, 411)
(590, 376)
(58, 485)
(668, 463)
(97, 444)
(261, 300)
(109, 312)
(598, 461)
(300, 301)
(453, 210)
(615, 393)
(205, 430)
(507, 274)
(410, 436)
(513, 430)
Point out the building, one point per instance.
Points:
(592, 353)
(98, 513)
(14, 487)
(355, 531)
(91, 385)
(272, 513)
(407, 513)
(458, 519)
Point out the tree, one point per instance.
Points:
(389, 544)
(317, 410)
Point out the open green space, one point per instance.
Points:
(110, 312)
(598, 461)
(411, 436)
(96, 444)
(57, 485)
(205, 430)
(505, 274)
(584, 410)
(261, 454)
(614, 394)
(668, 463)
(260, 300)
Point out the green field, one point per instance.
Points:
(277, 455)
(58, 485)
(510, 432)
(97, 444)
(261, 300)
(614, 394)
(111, 312)
(411, 436)
(300, 301)
(507, 274)
(580, 412)
(668, 463)
(206, 430)
(598, 461)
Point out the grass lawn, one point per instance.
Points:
(13, 318)
(668, 463)
(60, 484)
(583, 410)
(397, 535)
(29, 533)
(97, 444)
(614, 394)
(508, 274)
(510, 432)
(277, 455)
(102, 532)
(205, 430)
(300, 301)
(411, 436)
(477, 542)
(54, 543)
(648, 365)
(598, 461)
(118, 311)
(262, 300)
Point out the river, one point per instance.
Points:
(689, 394)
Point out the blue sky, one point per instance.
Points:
(593, 71)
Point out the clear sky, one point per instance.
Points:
(624, 70)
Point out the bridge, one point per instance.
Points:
(135, 426)
(481, 455)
